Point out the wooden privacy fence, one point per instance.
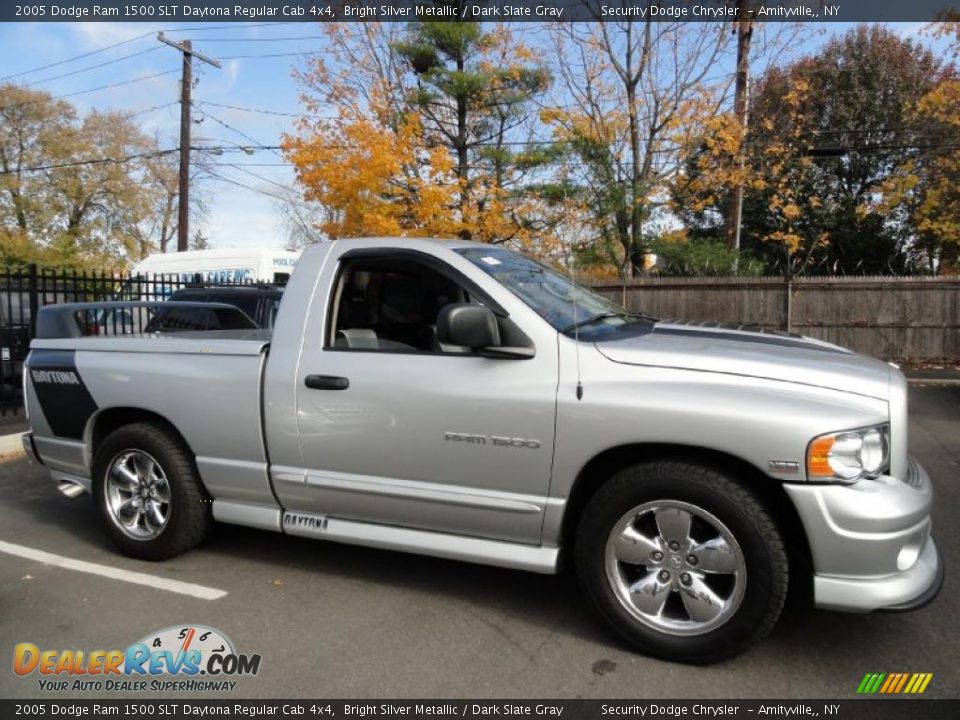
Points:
(906, 319)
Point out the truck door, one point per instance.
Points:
(397, 429)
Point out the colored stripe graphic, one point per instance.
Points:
(894, 683)
(903, 681)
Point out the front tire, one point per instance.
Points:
(682, 561)
(148, 492)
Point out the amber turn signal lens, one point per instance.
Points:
(818, 454)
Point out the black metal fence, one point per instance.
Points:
(23, 291)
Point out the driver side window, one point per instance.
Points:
(391, 306)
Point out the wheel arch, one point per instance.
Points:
(768, 490)
(107, 420)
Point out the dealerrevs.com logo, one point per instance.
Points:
(191, 658)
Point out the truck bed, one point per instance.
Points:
(205, 384)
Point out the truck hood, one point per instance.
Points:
(739, 350)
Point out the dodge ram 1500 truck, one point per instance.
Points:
(464, 401)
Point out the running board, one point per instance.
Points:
(262, 517)
(531, 558)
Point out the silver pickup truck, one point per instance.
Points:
(464, 401)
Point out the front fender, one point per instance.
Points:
(755, 420)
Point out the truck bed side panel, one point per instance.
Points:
(211, 398)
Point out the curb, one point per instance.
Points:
(11, 445)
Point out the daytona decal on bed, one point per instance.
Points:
(64, 399)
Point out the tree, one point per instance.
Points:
(161, 173)
(373, 178)
(74, 192)
(776, 172)
(473, 88)
(199, 241)
(31, 137)
(429, 119)
(628, 89)
(678, 255)
(99, 203)
(834, 154)
(936, 209)
(927, 185)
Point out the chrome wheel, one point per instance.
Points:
(137, 494)
(675, 567)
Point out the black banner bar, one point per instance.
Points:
(866, 709)
(493, 10)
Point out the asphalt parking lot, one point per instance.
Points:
(337, 621)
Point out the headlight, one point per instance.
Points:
(849, 455)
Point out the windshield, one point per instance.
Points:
(568, 307)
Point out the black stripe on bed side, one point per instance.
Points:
(64, 399)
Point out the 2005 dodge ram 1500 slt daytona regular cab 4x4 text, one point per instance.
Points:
(464, 401)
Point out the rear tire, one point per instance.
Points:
(148, 492)
(682, 561)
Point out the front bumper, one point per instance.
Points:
(870, 542)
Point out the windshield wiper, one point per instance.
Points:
(604, 316)
(592, 320)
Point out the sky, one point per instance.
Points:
(237, 216)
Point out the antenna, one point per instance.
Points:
(572, 262)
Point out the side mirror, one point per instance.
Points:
(475, 326)
(468, 325)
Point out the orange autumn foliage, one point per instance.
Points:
(374, 179)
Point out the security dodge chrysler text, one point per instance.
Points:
(463, 401)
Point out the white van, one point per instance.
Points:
(221, 266)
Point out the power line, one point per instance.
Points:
(130, 158)
(242, 134)
(92, 161)
(76, 57)
(226, 147)
(225, 179)
(266, 39)
(239, 167)
(149, 109)
(198, 28)
(289, 203)
(250, 164)
(276, 55)
(91, 67)
(89, 90)
(254, 110)
(244, 26)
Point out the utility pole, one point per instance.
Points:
(741, 105)
(186, 83)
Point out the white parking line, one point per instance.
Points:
(137, 578)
